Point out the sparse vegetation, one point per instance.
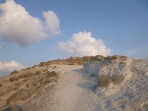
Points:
(115, 57)
(43, 78)
(25, 84)
(20, 76)
(72, 60)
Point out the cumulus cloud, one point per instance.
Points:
(83, 44)
(17, 25)
(52, 21)
(7, 67)
(141, 52)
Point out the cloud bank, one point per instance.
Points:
(83, 44)
(7, 67)
(18, 26)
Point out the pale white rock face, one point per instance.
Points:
(129, 95)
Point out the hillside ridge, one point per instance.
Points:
(90, 83)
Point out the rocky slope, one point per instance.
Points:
(121, 83)
(114, 83)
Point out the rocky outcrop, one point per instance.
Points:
(120, 83)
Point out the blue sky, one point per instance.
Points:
(121, 25)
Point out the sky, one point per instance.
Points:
(33, 31)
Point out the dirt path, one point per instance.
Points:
(70, 95)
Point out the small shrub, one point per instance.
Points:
(117, 79)
(27, 85)
(38, 72)
(52, 73)
(14, 72)
(104, 81)
(13, 78)
(26, 75)
(71, 64)
(28, 68)
(1, 85)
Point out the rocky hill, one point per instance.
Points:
(96, 83)
(120, 83)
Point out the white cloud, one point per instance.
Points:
(7, 67)
(52, 21)
(83, 44)
(141, 52)
(17, 25)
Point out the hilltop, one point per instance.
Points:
(91, 83)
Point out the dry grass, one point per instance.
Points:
(115, 57)
(104, 81)
(26, 84)
(19, 96)
(72, 60)
(20, 76)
